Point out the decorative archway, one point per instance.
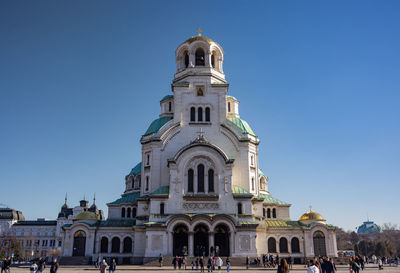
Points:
(79, 245)
(201, 244)
(180, 240)
(319, 244)
(221, 240)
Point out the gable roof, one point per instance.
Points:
(126, 199)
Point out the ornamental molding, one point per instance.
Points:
(200, 206)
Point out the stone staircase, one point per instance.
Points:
(77, 260)
(167, 261)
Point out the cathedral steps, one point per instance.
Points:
(77, 260)
(167, 261)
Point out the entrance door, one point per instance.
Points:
(319, 244)
(180, 247)
(201, 240)
(79, 243)
(221, 239)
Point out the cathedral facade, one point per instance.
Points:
(198, 189)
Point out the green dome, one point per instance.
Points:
(156, 125)
(167, 97)
(242, 125)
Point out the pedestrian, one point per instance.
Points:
(175, 261)
(33, 268)
(290, 262)
(201, 262)
(103, 266)
(179, 263)
(209, 264)
(160, 259)
(328, 266)
(99, 261)
(312, 268)
(228, 264)
(54, 266)
(192, 265)
(283, 267)
(247, 262)
(219, 263)
(197, 263)
(184, 261)
(113, 266)
(41, 265)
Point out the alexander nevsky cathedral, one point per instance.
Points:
(197, 191)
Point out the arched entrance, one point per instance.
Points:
(319, 244)
(79, 243)
(221, 240)
(180, 240)
(201, 240)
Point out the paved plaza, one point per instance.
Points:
(167, 269)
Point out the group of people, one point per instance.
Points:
(321, 265)
(40, 265)
(102, 266)
(5, 265)
(199, 263)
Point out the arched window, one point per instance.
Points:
(169, 106)
(128, 213)
(207, 113)
(123, 213)
(200, 60)
(186, 59)
(162, 209)
(127, 245)
(190, 180)
(283, 245)
(268, 213)
(213, 60)
(229, 107)
(240, 209)
(192, 114)
(200, 178)
(115, 244)
(271, 245)
(263, 212)
(104, 245)
(133, 212)
(274, 213)
(199, 114)
(295, 244)
(210, 180)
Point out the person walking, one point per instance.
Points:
(312, 268)
(228, 264)
(103, 266)
(219, 263)
(54, 266)
(33, 268)
(41, 265)
(175, 261)
(283, 267)
(113, 266)
(201, 262)
(160, 259)
(247, 262)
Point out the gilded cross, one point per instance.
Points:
(199, 32)
(310, 208)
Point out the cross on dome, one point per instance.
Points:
(199, 31)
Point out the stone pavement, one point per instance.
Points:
(169, 269)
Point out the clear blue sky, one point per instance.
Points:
(318, 81)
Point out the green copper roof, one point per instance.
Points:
(156, 125)
(127, 199)
(137, 169)
(260, 173)
(163, 190)
(231, 97)
(283, 224)
(242, 125)
(239, 191)
(167, 97)
(271, 200)
(118, 223)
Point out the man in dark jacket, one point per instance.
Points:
(54, 266)
(41, 265)
(113, 266)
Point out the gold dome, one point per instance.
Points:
(311, 216)
(87, 215)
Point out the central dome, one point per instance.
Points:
(312, 216)
(87, 215)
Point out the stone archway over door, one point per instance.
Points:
(221, 240)
(180, 245)
(319, 244)
(79, 243)
(201, 245)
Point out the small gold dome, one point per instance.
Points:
(87, 215)
(312, 216)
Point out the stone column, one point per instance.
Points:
(208, 59)
(191, 244)
(170, 242)
(109, 246)
(121, 246)
(211, 240)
